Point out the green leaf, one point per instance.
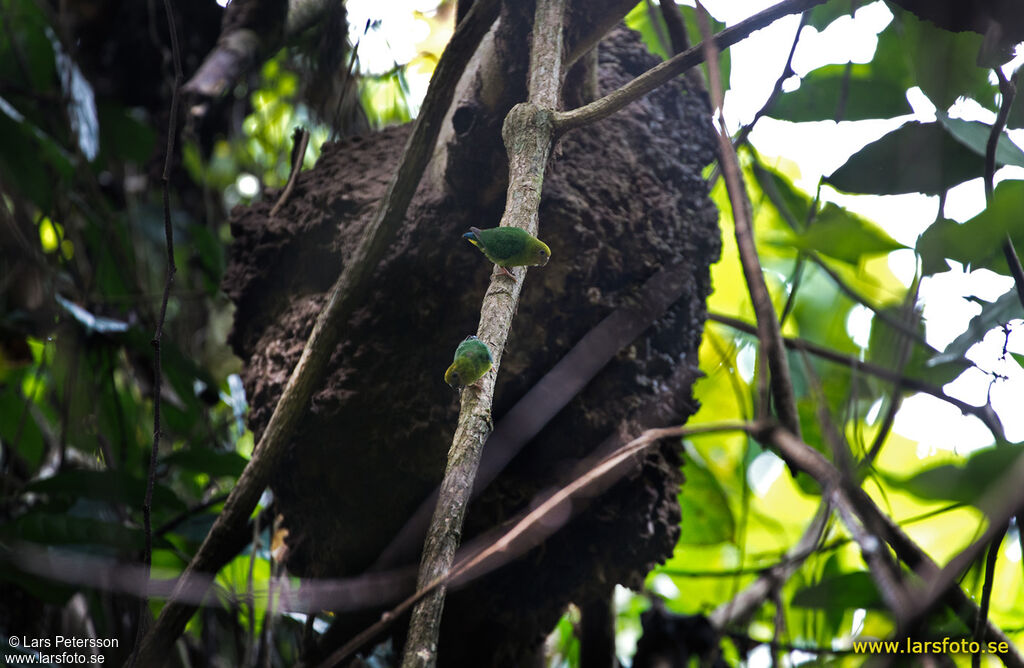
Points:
(705, 508)
(974, 135)
(943, 62)
(822, 15)
(845, 236)
(49, 529)
(641, 20)
(123, 136)
(791, 203)
(916, 157)
(31, 160)
(1016, 117)
(693, 33)
(111, 486)
(24, 437)
(978, 242)
(867, 96)
(993, 314)
(847, 591)
(965, 484)
(211, 462)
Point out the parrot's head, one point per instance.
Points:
(541, 253)
(451, 377)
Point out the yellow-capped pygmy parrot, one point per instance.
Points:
(472, 361)
(509, 247)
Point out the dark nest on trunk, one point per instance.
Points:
(622, 199)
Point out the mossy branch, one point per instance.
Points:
(529, 135)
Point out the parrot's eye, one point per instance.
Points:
(455, 377)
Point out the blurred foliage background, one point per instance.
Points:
(82, 264)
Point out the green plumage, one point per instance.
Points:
(472, 361)
(509, 246)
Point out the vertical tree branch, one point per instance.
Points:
(147, 504)
(346, 295)
(768, 331)
(529, 135)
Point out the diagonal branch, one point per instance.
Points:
(666, 71)
(1000, 503)
(535, 525)
(346, 295)
(769, 332)
(529, 136)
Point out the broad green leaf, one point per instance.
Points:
(31, 160)
(944, 62)
(993, 314)
(974, 135)
(207, 461)
(866, 96)
(123, 136)
(966, 483)
(791, 203)
(1016, 117)
(822, 15)
(50, 529)
(112, 486)
(705, 507)
(646, 20)
(847, 591)
(978, 242)
(693, 33)
(916, 157)
(27, 46)
(20, 432)
(844, 236)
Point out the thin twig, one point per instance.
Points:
(787, 72)
(529, 136)
(986, 591)
(904, 347)
(298, 154)
(884, 317)
(741, 607)
(666, 71)
(147, 506)
(1000, 502)
(1008, 89)
(347, 294)
(983, 413)
(768, 332)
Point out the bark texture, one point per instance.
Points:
(622, 198)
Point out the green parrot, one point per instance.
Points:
(472, 361)
(509, 247)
